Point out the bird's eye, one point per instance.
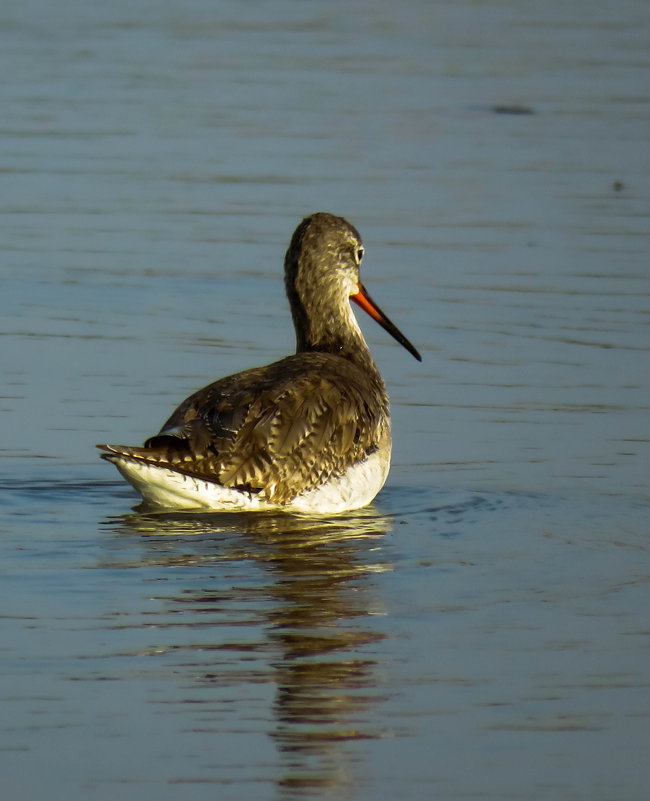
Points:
(359, 255)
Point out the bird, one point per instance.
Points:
(309, 434)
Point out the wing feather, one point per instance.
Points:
(278, 430)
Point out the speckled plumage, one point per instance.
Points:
(277, 434)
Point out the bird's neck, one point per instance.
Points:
(325, 328)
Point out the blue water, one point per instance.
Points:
(482, 629)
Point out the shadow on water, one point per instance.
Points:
(290, 605)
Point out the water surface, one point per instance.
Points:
(482, 629)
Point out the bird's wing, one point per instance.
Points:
(278, 430)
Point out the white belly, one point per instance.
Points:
(163, 487)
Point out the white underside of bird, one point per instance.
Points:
(162, 486)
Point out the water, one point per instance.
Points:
(482, 630)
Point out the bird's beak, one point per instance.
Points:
(363, 299)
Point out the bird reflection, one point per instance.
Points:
(309, 604)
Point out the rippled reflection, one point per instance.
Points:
(302, 623)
